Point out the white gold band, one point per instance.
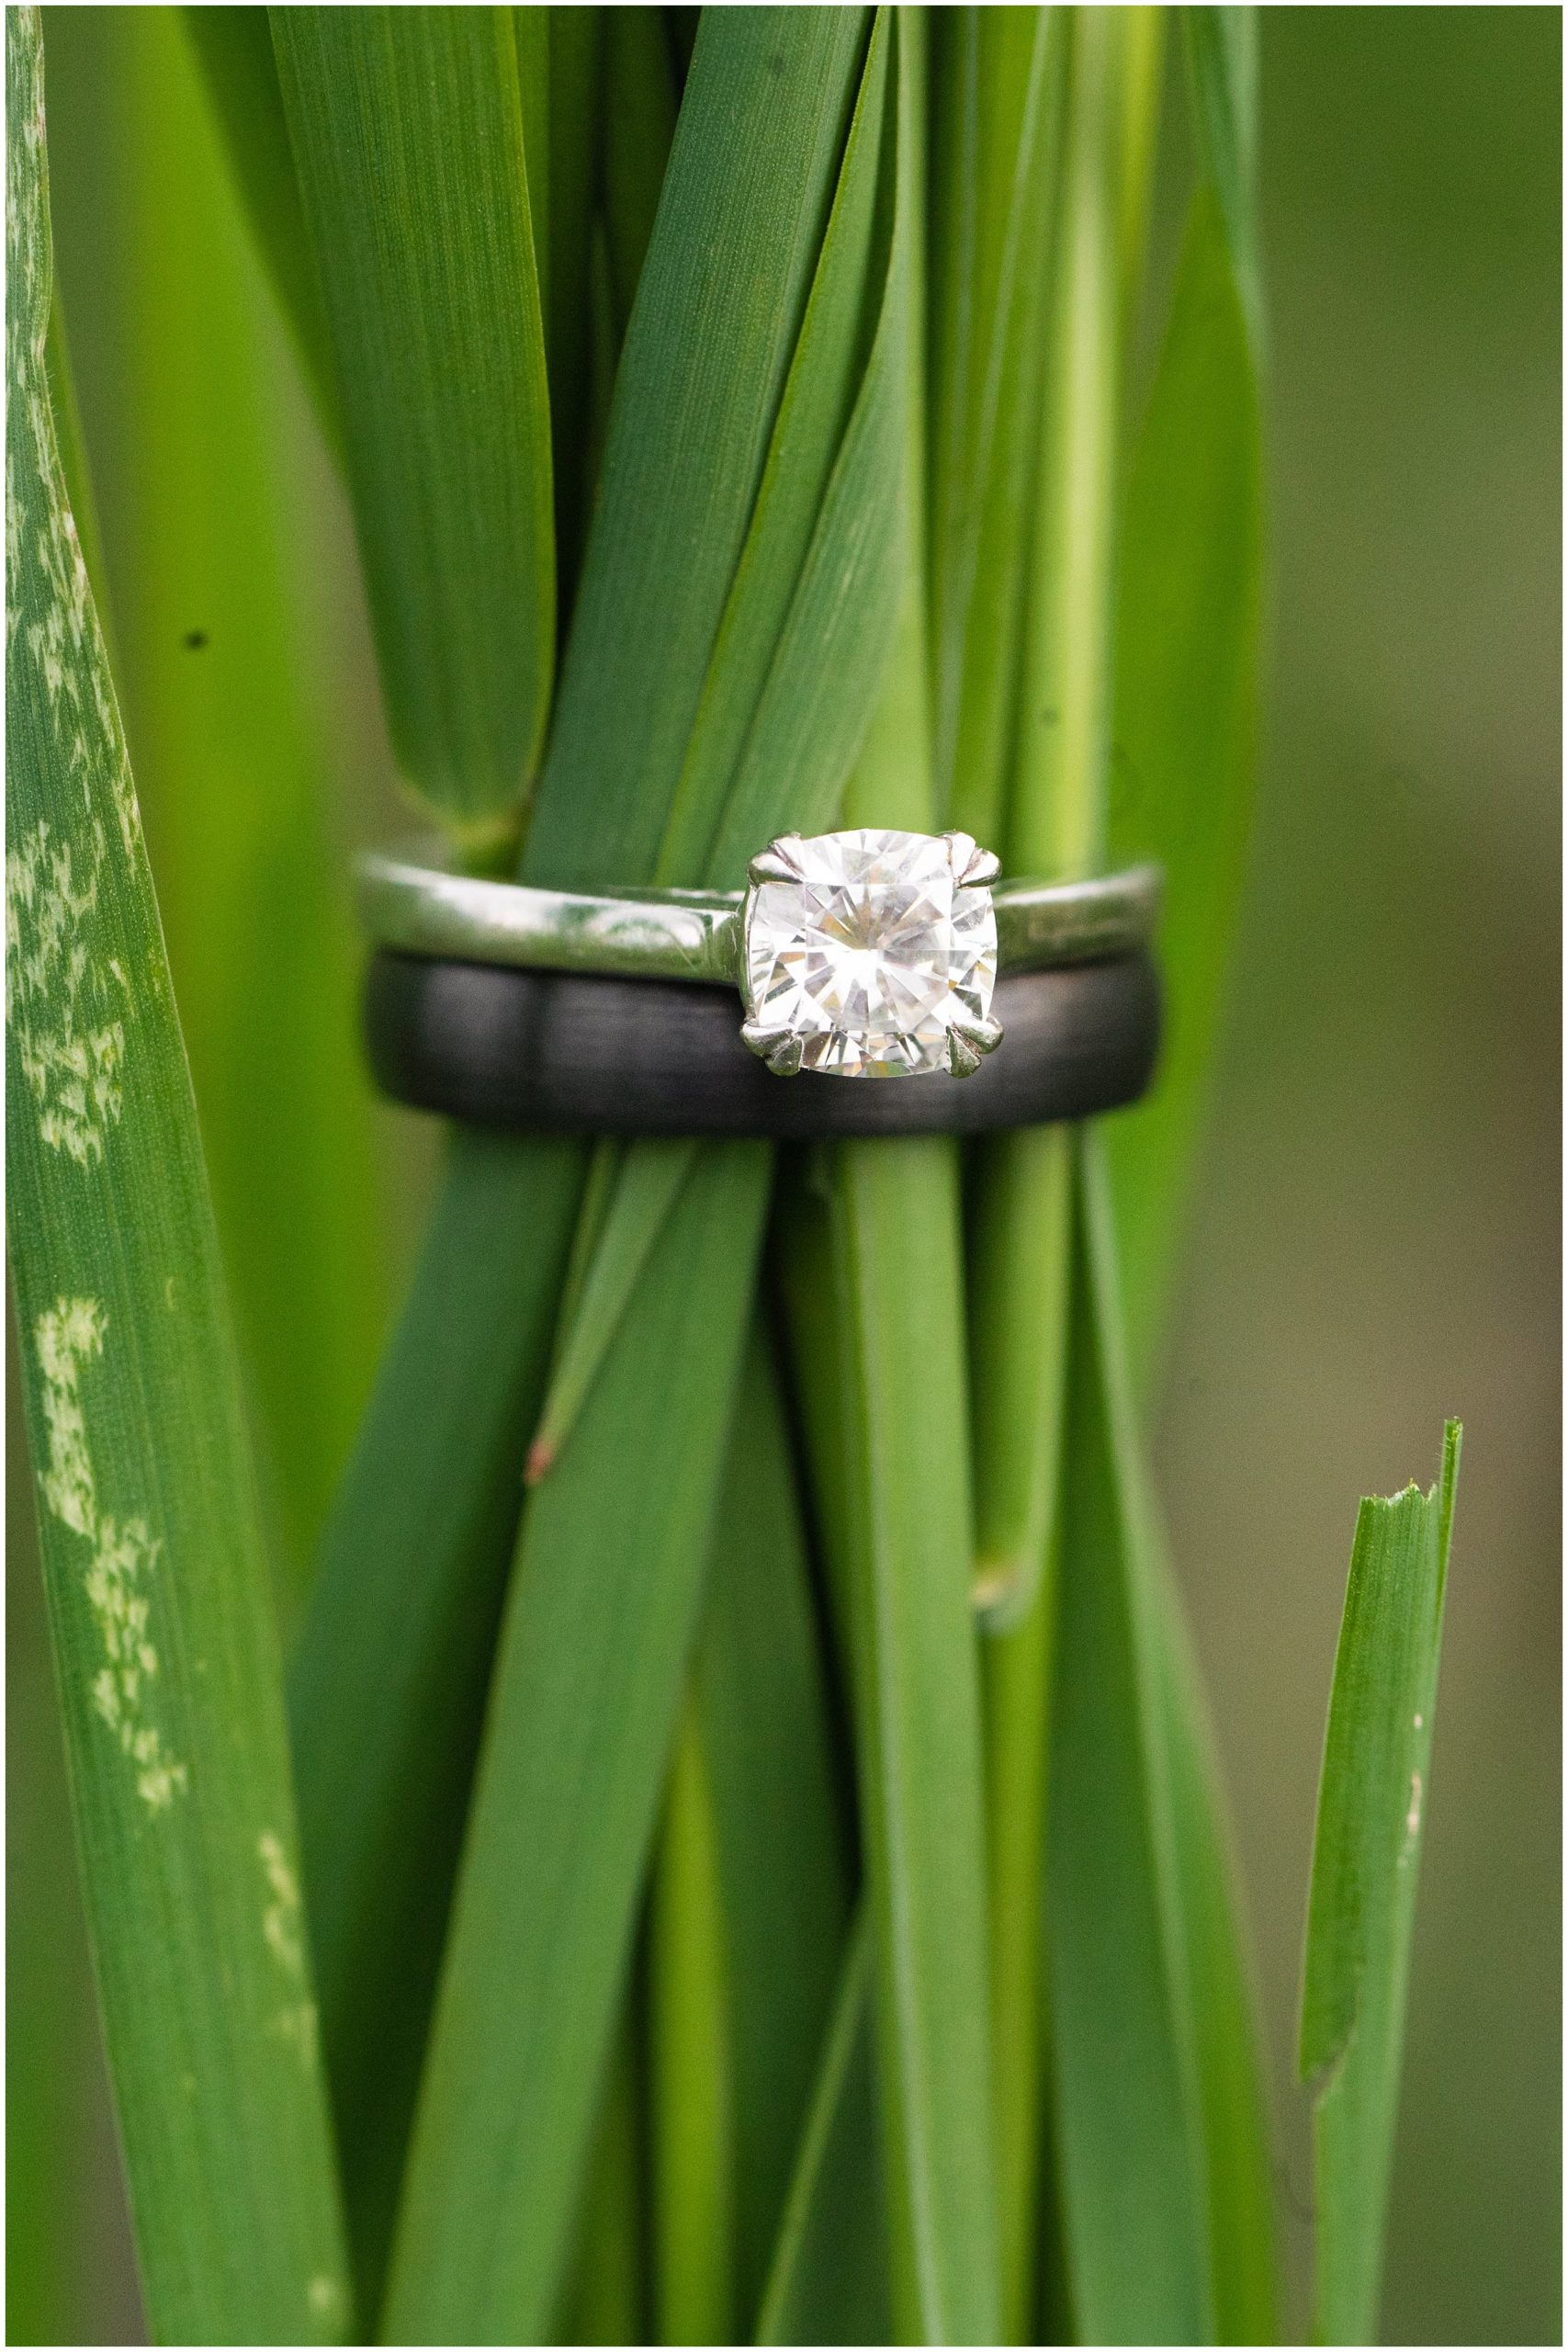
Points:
(410, 901)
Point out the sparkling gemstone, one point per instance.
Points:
(873, 953)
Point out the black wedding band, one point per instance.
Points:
(558, 1053)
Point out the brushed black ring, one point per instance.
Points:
(576, 1054)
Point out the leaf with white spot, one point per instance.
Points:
(166, 1654)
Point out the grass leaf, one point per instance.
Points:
(760, 1713)
(1219, 1992)
(1127, 2129)
(829, 2281)
(718, 315)
(587, 1686)
(917, 1707)
(221, 699)
(1366, 1856)
(996, 77)
(1187, 621)
(233, 48)
(407, 131)
(387, 1683)
(164, 1646)
(1222, 63)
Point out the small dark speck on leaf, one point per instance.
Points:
(193, 640)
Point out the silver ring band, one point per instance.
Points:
(410, 901)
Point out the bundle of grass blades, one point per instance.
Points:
(760, 1864)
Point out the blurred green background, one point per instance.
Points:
(1376, 1232)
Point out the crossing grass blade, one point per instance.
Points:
(997, 83)
(233, 49)
(387, 1683)
(586, 1692)
(692, 2166)
(1219, 1992)
(829, 2281)
(223, 708)
(1188, 611)
(575, 40)
(1366, 1858)
(406, 126)
(639, 124)
(1221, 47)
(719, 312)
(1127, 2123)
(164, 1649)
(760, 1717)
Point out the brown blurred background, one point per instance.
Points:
(1376, 1241)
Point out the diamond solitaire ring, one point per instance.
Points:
(865, 953)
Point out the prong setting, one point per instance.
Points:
(968, 1042)
(778, 862)
(971, 864)
(780, 1048)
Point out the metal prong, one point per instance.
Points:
(972, 863)
(777, 862)
(968, 1042)
(780, 1048)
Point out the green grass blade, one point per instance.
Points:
(56, 2097)
(641, 1194)
(387, 1684)
(222, 705)
(407, 131)
(761, 1716)
(1186, 625)
(576, 135)
(997, 84)
(1222, 63)
(639, 125)
(73, 448)
(1220, 1997)
(746, 197)
(587, 1686)
(829, 2281)
(825, 375)
(606, 2302)
(1366, 1857)
(918, 1706)
(233, 48)
(1127, 2127)
(691, 2161)
(164, 1646)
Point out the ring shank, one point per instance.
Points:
(498, 1045)
(412, 903)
